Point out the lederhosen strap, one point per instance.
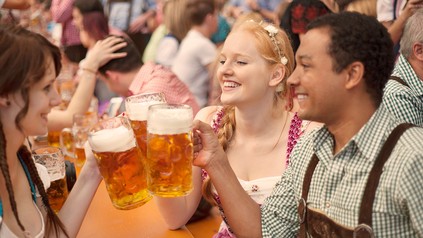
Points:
(364, 229)
(399, 80)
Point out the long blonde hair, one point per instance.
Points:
(272, 50)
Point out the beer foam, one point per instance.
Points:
(112, 140)
(138, 111)
(167, 122)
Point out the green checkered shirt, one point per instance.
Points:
(338, 182)
(405, 102)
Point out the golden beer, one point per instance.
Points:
(119, 160)
(169, 150)
(80, 156)
(169, 159)
(57, 194)
(124, 176)
(52, 158)
(137, 110)
(140, 131)
(53, 138)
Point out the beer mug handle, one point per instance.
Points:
(66, 143)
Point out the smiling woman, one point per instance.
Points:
(29, 64)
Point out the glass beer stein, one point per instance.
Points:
(52, 158)
(118, 158)
(137, 109)
(169, 149)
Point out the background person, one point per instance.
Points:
(403, 95)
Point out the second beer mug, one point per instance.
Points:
(113, 144)
(52, 158)
(169, 150)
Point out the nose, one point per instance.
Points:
(224, 69)
(293, 79)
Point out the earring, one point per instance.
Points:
(280, 87)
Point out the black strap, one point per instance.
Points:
(399, 80)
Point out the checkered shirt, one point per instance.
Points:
(338, 182)
(405, 102)
(61, 12)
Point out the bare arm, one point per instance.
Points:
(396, 27)
(76, 206)
(177, 211)
(242, 212)
(17, 4)
(101, 53)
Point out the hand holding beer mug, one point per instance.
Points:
(52, 158)
(81, 125)
(137, 110)
(118, 158)
(169, 149)
(72, 140)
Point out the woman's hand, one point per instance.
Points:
(206, 145)
(104, 51)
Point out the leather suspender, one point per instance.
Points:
(366, 208)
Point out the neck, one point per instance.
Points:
(128, 78)
(258, 123)
(202, 29)
(349, 122)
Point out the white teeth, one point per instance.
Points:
(300, 97)
(231, 84)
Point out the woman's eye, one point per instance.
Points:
(241, 62)
(47, 88)
(221, 62)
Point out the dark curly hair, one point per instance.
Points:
(357, 37)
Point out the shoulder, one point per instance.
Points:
(206, 114)
(411, 141)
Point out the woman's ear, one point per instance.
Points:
(4, 102)
(277, 76)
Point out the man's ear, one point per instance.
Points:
(418, 51)
(278, 74)
(111, 75)
(355, 73)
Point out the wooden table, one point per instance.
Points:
(103, 220)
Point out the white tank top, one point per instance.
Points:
(6, 232)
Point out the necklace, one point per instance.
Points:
(280, 135)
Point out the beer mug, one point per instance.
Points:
(136, 110)
(72, 140)
(52, 158)
(169, 149)
(118, 158)
(81, 125)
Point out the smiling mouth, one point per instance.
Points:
(231, 84)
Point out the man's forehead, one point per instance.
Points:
(314, 42)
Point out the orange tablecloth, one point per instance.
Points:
(103, 220)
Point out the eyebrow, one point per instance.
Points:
(302, 57)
